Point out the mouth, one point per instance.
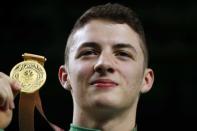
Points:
(104, 83)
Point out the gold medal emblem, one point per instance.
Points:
(29, 73)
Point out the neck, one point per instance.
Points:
(107, 120)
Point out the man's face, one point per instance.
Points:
(105, 66)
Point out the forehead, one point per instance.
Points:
(106, 33)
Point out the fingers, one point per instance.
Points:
(15, 86)
(2, 75)
(6, 95)
(8, 88)
(5, 118)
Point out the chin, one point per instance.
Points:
(6, 118)
(106, 102)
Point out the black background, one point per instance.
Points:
(42, 26)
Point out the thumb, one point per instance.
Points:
(16, 87)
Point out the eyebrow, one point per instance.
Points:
(89, 44)
(125, 45)
(115, 47)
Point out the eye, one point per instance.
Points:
(88, 52)
(124, 54)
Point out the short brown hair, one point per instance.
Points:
(113, 12)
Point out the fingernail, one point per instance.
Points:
(16, 84)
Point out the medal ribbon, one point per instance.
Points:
(29, 101)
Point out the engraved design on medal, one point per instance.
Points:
(30, 74)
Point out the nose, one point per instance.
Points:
(104, 65)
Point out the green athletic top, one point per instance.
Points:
(78, 128)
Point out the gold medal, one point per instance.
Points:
(30, 73)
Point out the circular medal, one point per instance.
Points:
(30, 74)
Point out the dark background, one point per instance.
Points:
(42, 26)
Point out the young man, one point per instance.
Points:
(106, 69)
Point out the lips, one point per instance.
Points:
(104, 83)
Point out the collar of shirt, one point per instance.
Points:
(78, 128)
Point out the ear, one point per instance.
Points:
(147, 80)
(63, 77)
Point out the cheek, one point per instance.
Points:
(80, 72)
(132, 75)
(132, 78)
(84, 69)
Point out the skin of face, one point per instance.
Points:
(105, 68)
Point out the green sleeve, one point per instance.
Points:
(1, 129)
